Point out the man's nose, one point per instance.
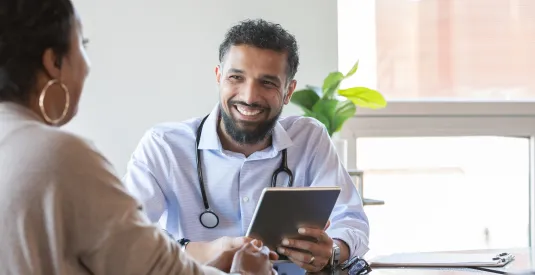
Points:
(250, 92)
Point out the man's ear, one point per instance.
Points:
(291, 89)
(218, 74)
(52, 64)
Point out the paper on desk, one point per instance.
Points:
(447, 259)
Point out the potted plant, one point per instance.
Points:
(331, 105)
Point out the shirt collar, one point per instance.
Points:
(210, 139)
(281, 139)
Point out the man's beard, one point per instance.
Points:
(262, 130)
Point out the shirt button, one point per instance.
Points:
(245, 199)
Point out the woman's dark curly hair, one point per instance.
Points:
(27, 29)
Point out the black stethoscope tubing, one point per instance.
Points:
(208, 218)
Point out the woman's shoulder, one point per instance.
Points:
(61, 149)
(40, 156)
(58, 141)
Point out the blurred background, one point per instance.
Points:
(449, 161)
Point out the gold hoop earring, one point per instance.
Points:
(42, 102)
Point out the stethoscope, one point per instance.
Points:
(208, 218)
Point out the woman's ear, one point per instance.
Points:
(52, 64)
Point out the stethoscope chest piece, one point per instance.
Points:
(209, 219)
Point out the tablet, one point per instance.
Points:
(281, 211)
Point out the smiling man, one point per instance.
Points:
(204, 176)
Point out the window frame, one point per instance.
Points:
(443, 119)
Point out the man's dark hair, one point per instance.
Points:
(264, 35)
(27, 29)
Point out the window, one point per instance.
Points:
(458, 192)
(460, 124)
(444, 49)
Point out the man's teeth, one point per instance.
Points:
(246, 112)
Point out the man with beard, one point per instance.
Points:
(207, 204)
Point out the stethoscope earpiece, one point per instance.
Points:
(208, 218)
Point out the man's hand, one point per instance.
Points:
(254, 258)
(315, 255)
(208, 251)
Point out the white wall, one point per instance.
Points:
(154, 61)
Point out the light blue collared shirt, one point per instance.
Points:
(162, 174)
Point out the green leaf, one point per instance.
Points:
(353, 70)
(309, 113)
(326, 109)
(305, 98)
(364, 97)
(315, 89)
(320, 117)
(343, 111)
(331, 84)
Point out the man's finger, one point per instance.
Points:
(305, 266)
(312, 232)
(319, 234)
(314, 248)
(297, 255)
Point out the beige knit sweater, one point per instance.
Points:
(63, 210)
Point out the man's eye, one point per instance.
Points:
(265, 82)
(237, 77)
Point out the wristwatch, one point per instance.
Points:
(334, 261)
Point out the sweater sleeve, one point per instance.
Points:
(110, 233)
